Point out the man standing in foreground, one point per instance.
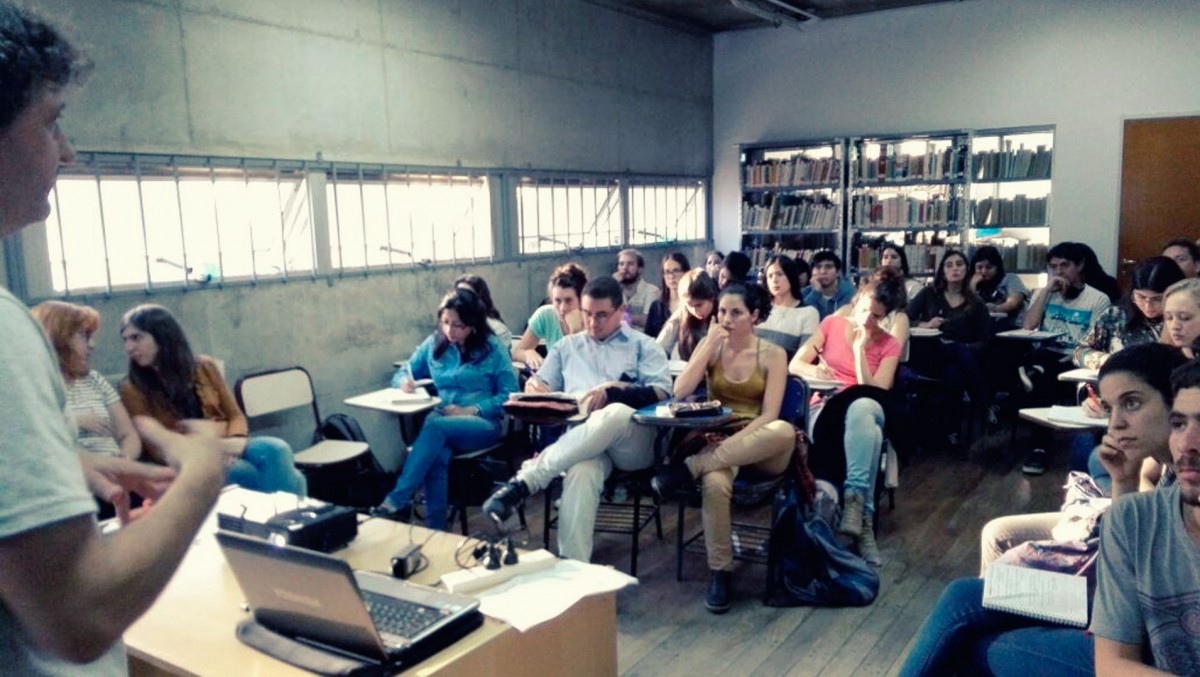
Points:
(1148, 583)
(67, 593)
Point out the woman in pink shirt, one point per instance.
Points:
(864, 357)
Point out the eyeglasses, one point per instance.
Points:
(672, 271)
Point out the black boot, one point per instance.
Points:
(673, 481)
(387, 512)
(719, 587)
(501, 504)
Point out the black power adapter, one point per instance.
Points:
(407, 562)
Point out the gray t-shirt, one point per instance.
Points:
(42, 482)
(1149, 580)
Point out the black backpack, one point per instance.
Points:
(341, 427)
(361, 484)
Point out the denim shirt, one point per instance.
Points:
(826, 307)
(485, 384)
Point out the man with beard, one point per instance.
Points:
(638, 293)
(1148, 596)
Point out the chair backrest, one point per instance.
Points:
(796, 397)
(267, 392)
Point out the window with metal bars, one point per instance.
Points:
(130, 222)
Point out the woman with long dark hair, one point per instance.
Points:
(791, 322)
(480, 286)
(1137, 319)
(170, 383)
(748, 374)
(892, 254)
(1000, 291)
(474, 377)
(674, 265)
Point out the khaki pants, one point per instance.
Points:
(767, 450)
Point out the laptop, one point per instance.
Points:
(319, 600)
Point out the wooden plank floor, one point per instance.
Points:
(931, 538)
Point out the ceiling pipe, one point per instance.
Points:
(787, 6)
(776, 18)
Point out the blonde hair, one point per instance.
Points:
(1191, 285)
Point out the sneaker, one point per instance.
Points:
(501, 504)
(1028, 374)
(719, 585)
(867, 547)
(1035, 462)
(673, 481)
(852, 513)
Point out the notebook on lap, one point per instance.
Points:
(319, 600)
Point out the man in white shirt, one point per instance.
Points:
(638, 294)
(67, 593)
(620, 370)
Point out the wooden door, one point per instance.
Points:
(1160, 187)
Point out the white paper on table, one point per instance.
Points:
(1076, 415)
(530, 599)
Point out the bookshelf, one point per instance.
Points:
(1010, 179)
(926, 191)
(908, 189)
(793, 198)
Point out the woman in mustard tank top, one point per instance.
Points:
(749, 376)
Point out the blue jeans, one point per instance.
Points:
(267, 465)
(428, 463)
(960, 636)
(863, 440)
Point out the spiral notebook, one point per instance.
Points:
(1044, 595)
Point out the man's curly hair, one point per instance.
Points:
(33, 55)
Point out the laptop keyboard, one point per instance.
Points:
(399, 617)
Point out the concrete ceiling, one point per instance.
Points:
(715, 16)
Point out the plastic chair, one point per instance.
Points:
(331, 466)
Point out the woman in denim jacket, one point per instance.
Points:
(474, 376)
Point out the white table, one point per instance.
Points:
(394, 401)
(1080, 376)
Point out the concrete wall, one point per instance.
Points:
(1082, 65)
(548, 84)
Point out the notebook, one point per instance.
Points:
(1044, 595)
(319, 600)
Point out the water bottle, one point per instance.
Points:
(402, 376)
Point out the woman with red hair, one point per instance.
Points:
(102, 423)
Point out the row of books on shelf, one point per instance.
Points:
(1017, 254)
(1015, 211)
(924, 257)
(799, 170)
(933, 165)
(790, 212)
(759, 255)
(1022, 163)
(900, 211)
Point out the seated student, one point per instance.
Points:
(674, 265)
(1185, 253)
(1001, 292)
(638, 293)
(747, 374)
(892, 254)
(494, 321)
(734, 270)
(1181, 316)
(713, 261)
(473, 376)
(1096, 277)
(618, 370)
(849, 429)
(561, 317)
(829, 290)
(102, 425)
(1068, 306)
(791, 322)
(167, 382)
(896, 322)
(950, 306)
(1147, 576)
(689, 324)
(960, 635)
(1137, 319)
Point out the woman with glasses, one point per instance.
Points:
(1137, 319)
(674, 265)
